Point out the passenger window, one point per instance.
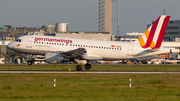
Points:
(54, 43)
(57, 43)
(91, 46)
(62, 44)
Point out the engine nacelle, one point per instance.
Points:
(52, 57)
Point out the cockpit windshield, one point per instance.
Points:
(18, 40)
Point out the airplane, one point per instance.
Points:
(60, 49)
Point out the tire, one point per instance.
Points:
(79, 67)
(29, 62)
(87, 66)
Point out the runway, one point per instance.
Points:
(97, 72)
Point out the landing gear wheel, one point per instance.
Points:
(144, 62)
(29, 62)
(79, 67)
(87, 66)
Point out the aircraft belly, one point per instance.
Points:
(110, 55)
(29, 51)
(92, 57)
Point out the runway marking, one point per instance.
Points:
(97, 72)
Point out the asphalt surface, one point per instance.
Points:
(120, 72)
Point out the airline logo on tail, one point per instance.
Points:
(154, 35)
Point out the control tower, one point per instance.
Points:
(105, 16)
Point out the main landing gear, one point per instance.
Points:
(79, 67)
(87, 66)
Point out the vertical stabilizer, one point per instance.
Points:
(154, 35)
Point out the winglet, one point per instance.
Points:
(154, 35)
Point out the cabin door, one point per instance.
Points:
(29, 42)
(130, 50)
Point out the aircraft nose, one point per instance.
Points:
(10, 46)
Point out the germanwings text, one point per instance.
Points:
(52, 40)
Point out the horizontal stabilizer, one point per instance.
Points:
(153, 50)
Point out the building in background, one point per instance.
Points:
(48, 28)
(5, 53)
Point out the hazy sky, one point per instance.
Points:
(82, 15)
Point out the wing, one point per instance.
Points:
(76, 53)
(79, 53)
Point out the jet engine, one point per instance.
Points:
(55, 57)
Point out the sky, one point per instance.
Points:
(82, 15)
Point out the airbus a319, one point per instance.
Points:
(59, 49)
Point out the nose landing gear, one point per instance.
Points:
(29, 62)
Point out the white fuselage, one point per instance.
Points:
(96, 49)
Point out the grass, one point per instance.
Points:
(88, 87)
(59, 67)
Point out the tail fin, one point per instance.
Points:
(154, 35)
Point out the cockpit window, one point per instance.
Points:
(18, 40)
